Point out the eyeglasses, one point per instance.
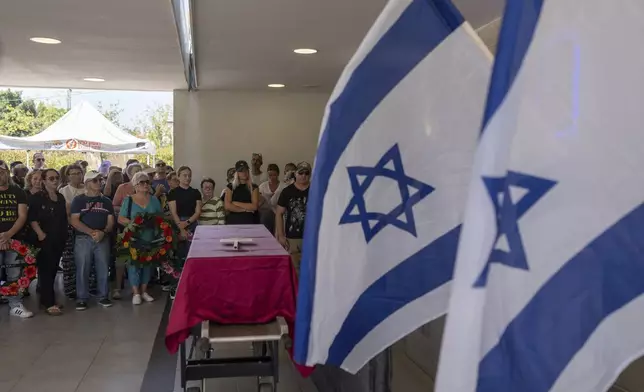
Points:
(304, 173)
(53, 178)
(160, 165)
(40, 159)
(145, 182)
(77, 173)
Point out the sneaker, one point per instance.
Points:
(20, 311)
(80, 306)
(136, 299)
(166, 287)
(173, 293)
(106, 303)
(147, 297)
(116, 294)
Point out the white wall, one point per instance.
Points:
(214, 129)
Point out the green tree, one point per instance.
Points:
(9, 99)
(156, 126)
(46, 115)
(20, 117)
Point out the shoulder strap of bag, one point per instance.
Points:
(129, 207)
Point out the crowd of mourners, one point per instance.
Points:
(73, 216)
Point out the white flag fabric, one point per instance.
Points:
(389, 183)
(547, 292)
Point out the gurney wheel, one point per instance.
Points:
(265, 387)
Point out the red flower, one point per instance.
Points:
(158, 220)
(30, 271)
(167, 232)
(138, 220)
(4, 291)
(30, 260)
(24, 283)
(166, 246)
(13, 289)
(22, 250)
(149, 258)
(127, 236)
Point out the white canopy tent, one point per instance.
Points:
(83, 129)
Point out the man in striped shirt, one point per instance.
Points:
(212, 208)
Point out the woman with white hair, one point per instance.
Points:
(140, 202)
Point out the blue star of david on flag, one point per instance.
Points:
(508, 212)
(401, 216)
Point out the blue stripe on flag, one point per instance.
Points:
(540, 342)
(420, 29)
(428, 269)
(519, 22)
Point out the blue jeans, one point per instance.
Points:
(138, 276)
(86, 251)
(7, 258)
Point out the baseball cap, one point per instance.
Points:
(90, 175)
(3, 165)
(149, 170)
(303, 166)
(241, 166)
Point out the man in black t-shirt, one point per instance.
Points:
(292, 202)
(13, 215)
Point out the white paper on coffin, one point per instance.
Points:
(235, 242)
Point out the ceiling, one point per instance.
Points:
(132, 44)
(240, 45)
(247, 44)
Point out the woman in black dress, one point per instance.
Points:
(48, 218)
(242, 198)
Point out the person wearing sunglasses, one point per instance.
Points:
(73, 188)
(48, 218)
(92, 215)
(140, 202)
(160, 184)
(38, 161)
(292, 202)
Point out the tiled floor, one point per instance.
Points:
(108, 350)
(99, 350)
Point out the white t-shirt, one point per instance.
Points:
(69, 192)
(265, 191)
(259, 179)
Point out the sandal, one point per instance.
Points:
(54, 311)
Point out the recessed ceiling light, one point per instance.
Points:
(45, 40)
(276, 85)
(305, 51)
(94, 79)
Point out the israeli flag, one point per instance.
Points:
(548, 285)
(391, 174)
